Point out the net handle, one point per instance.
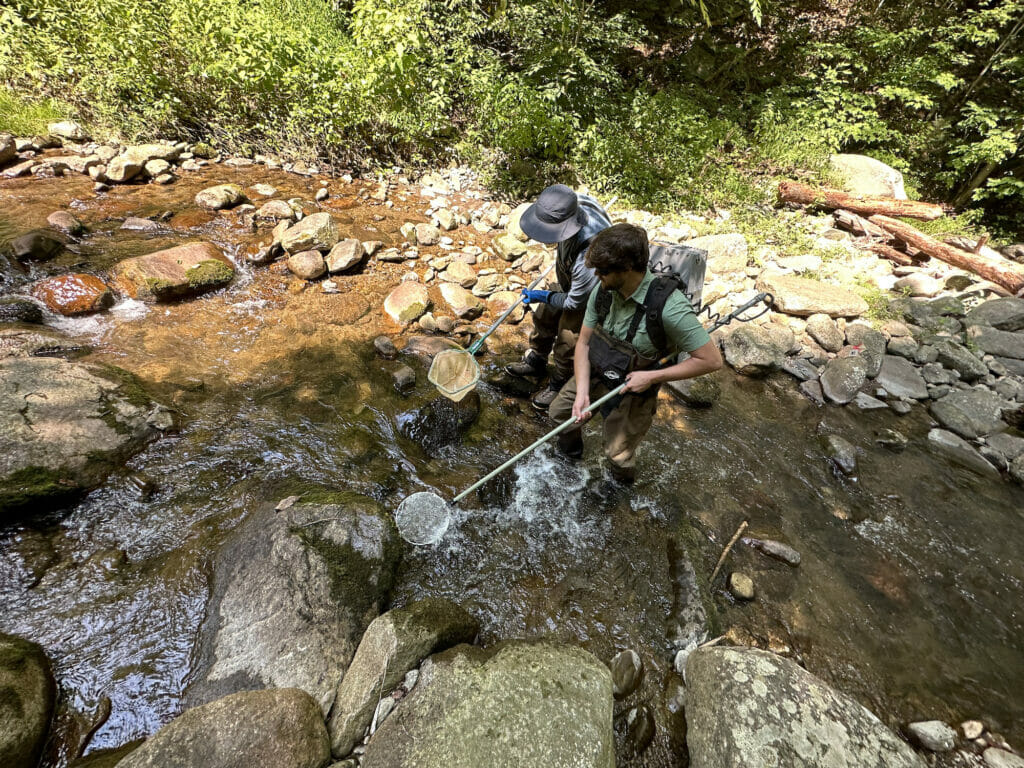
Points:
(767, 298)
(475, 346)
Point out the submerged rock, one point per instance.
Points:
(747, 708)
(393, 644)
(933, 735)
(293, 591)
(35, 246)
(841, 452)
(26, 704)
(276, 729)
(627, 673)
(186, 270)
(64, 427)
(959, 450)
(15, 310)
(774, 549)
(741, 586)
(440, 421)
(522, 704)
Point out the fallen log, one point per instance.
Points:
(898, 257)
(973, 246)
(999, 271)
(858, 225)
(795, 192)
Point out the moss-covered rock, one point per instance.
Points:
(293, 592)
(27, 692)
(518, 704)
(174, 273)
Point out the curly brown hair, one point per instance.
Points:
(619, 248)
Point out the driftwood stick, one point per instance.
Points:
(866, 205)
(898, 257)
(1000, 271)
(725, 552)
(858, 225)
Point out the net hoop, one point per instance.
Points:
(423, 518)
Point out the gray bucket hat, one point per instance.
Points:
(556, 216)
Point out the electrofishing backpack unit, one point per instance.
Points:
(675, 267)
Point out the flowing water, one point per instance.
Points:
(908, 596)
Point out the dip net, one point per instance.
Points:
(454, 372)
(423, 518)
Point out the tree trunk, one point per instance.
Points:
(999, 271)
(795, 192)
(973, 246)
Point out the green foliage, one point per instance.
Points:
(26, 118)
(685, 103)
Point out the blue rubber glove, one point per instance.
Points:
(540, 297)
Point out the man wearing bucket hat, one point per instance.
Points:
(571, 220)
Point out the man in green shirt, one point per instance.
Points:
(633, 319)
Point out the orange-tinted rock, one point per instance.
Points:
(174, 273)
(75, 294)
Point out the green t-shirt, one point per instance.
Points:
(683, 329)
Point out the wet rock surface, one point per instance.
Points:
(282, 728)
(752, 708)
(29, 693)
(543, 703)
(293, 592)
(174, 273)
(65, 427)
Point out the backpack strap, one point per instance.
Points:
(661, 288)
(602, 304)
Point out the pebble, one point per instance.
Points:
(741, 586)
(972, 729)
(404, 378)
(385, 347)
(891, 439)
(445, 324)
(627, 671)
(321, 195)
(774, 549)
(329, 286)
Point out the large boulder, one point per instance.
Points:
(64, 426)
(1006, 314)
(864, 175)
(804, 297)
(318, 232)
(74, 294)
(726, 253)
(293, 592)
(996, 342)
(971, 413)
(901, 379)
(67, 129)
(393, 644)
(957, 449)
(752, 351)
(960, 359)
(842, 378)
(747, 708)
(275, 729)
(186, 270)
(519, 704)
(27, 694)
(407, 302)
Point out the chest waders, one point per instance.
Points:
(611, 359)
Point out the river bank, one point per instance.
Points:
(274, 379)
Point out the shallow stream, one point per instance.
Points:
(908, 596)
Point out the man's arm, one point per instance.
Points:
(581, 369)
(705, 359)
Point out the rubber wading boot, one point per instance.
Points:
(546, 396)
(570, 443)
(624, 475)
(531, 366)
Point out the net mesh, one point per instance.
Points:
(423, 518)
(454, 372)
